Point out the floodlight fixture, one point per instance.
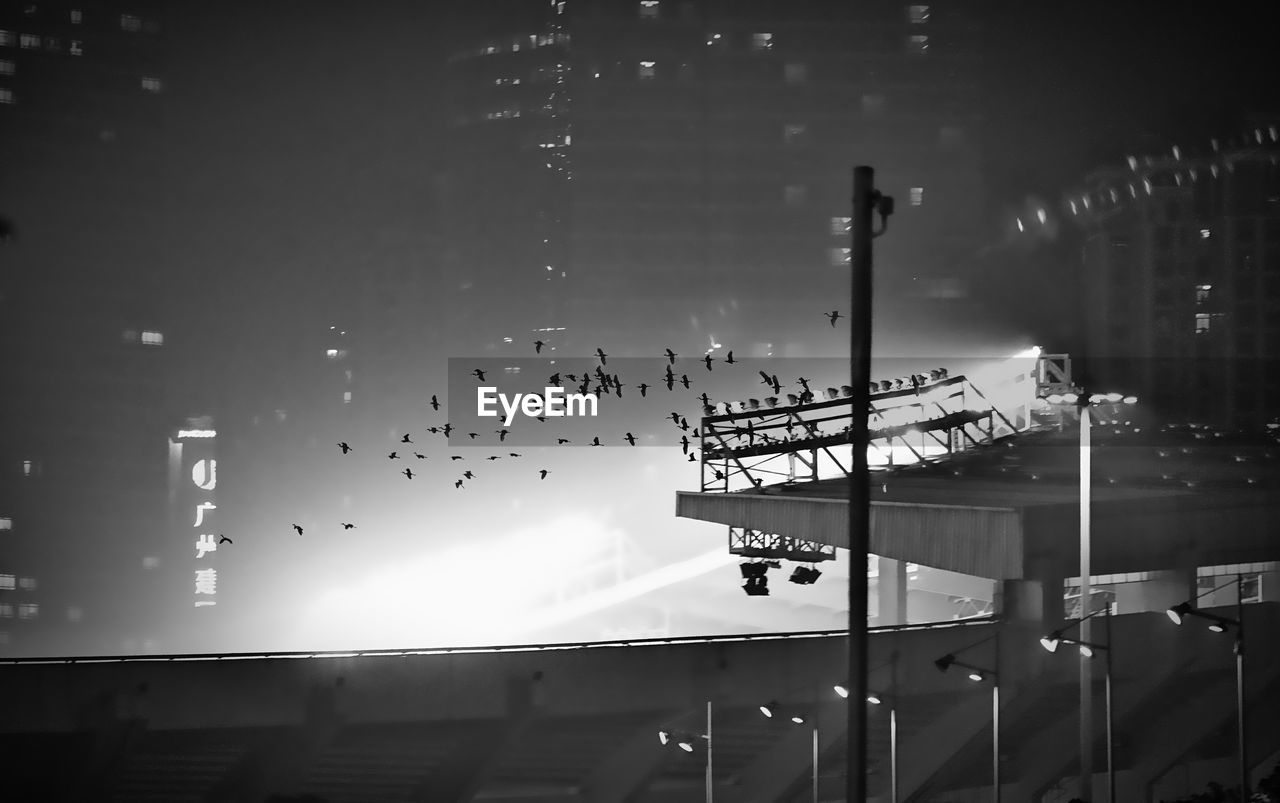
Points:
(874, 698)
(768, 708)
(841, 690)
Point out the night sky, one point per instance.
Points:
(303, 136)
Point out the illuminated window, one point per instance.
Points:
(918, 44)
(76, 16)
(346, 397)
(8, 582)
(27, 583)
(1202, 293)
(29, 41)
(30, 468)
(649, 9)
(840, 225)
(131, 23)
(794, 133)
(761, 42)
(6, 39)
(1205, 234)
(28, 610)
(152, 84)
(1202, 323)
(6, 96)
(6, 67)
(511, 369)
(76, 48)
(873, 105)
(795, 194)
(6, 611)
(841, 256)
(507, 81)
(150, 562)
(6, 523)
(648, 70)
(917, 196)
(918, 14)
(152, 338)
(795, 73)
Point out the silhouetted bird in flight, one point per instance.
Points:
(542, 474)
(596, 441)
(478, 374)
(671, 357)
(514, 454)
(468, 475)
(684, 423)
(554, 379)
(684, 443)
(298, 527)
(502, 434)
(345, 447)
(346, 525)
(670, 378)
(643, 387)
(804, 383)
(493, 457)
(560, 441)
(629, 438)
(707, 360)
(833, 315)
(693, 459)
(420, 455)
(730, 360)
(222, 539)
(684, 380)
(457, 484)
(456, 457)
(719, 474)
(433, 430)
(393, 456)
(600, 353)
(473, 435)
(446, 429)
(435, 403)
(408, 472)
(406, 438)
(705, 399)
(537, 346)
(695, 432)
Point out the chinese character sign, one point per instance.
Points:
(198, 513)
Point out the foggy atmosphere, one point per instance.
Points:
(411, 401)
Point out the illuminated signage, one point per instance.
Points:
(197, 513)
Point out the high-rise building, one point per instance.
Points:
(1182, 270)
(680, 170)
(84, 337)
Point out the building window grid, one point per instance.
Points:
(6, 67)
(916, 197)
(6, 96)
(6, 38)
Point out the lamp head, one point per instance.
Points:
(1086, 650)
(685, 746)
(944, 663)
(1178, 612)
(1051, 641)
(976, 676)
(664, 737)
(874, 698)
(841, 690)
(767, 708)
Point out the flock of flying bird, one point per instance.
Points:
(602, 384)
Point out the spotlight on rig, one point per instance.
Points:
(805, 575)
(757, 584)
(846, 391)
(771, 401)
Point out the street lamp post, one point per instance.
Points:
(684, 740)
(979, 674)
(1087, 648)
(1219, 624)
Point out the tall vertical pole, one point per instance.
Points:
(893, 751)
(710, 795)
(1240, 715)
(1111, 744)
(815, 762)
(1086, 592)
(995, 738)
(864, 203)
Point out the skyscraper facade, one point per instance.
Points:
(1182, 263)
(680, 171)
(83, 334)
